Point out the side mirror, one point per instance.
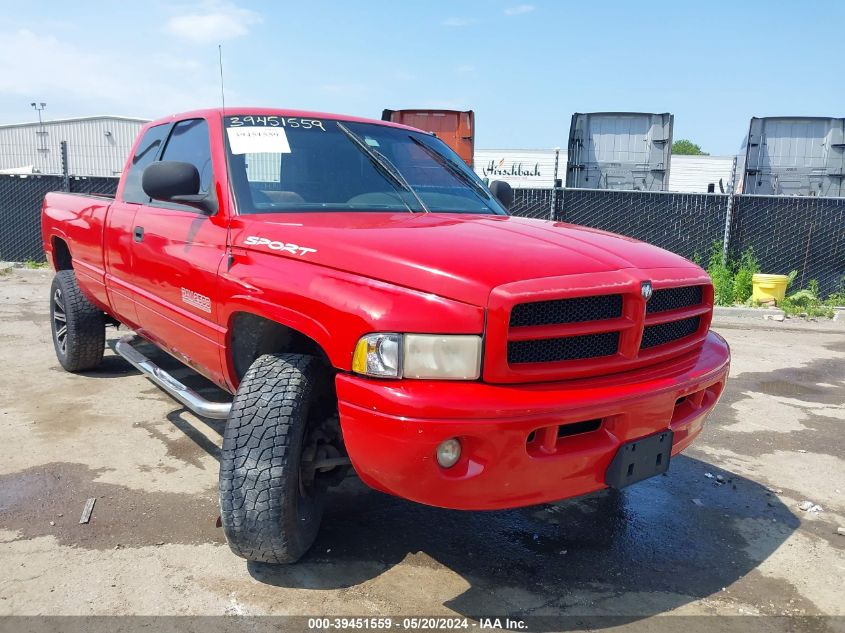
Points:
(503, 192)
(175, 181)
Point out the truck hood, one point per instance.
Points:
(457, 256)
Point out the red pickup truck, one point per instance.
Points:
(371, 305)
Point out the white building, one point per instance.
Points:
(535, 168)
(96, 145)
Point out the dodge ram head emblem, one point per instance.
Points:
(645, 288)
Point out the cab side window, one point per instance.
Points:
(189, 143)
(146, 153)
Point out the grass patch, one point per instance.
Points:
(807, 302)
(731, 277)
(31, 264)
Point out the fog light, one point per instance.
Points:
(448, 453)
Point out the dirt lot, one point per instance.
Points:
(682, 544)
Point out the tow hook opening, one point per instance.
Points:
(544, 441)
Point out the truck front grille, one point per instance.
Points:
(674, 299)
(577, 310)
(550, 350)
(596, 334)
(654, 335)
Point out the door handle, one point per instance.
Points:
(138, 233)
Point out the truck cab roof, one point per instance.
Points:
(219, 113)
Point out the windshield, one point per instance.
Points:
(283, 164)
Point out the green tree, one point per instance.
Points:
(687, 147)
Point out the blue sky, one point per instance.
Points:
(524, 67)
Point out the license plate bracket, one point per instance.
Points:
(640, 459)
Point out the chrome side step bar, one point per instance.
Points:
(178, 391)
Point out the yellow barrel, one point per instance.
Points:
(768, 287)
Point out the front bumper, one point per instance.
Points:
(516, 447)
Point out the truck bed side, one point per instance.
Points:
(72, 232)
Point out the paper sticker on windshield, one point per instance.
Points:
(371, 141)
(258, 140)
(275, 121)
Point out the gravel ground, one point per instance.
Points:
(685, 544)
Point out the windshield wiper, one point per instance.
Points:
(459, 173)
(383, 164)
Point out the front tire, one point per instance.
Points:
(268, 513)
(77, 325)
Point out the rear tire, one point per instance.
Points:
(267, 513)
(77, 325)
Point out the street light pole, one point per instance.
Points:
(39, 107)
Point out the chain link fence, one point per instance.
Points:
(20, 210)
(806, 234)
(789, 233)
(684, 223)
(20, 220)
(535, 203)
(786, 233)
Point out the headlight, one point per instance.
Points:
(437, 356)
(454, 357)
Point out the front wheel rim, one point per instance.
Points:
(60, 321)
